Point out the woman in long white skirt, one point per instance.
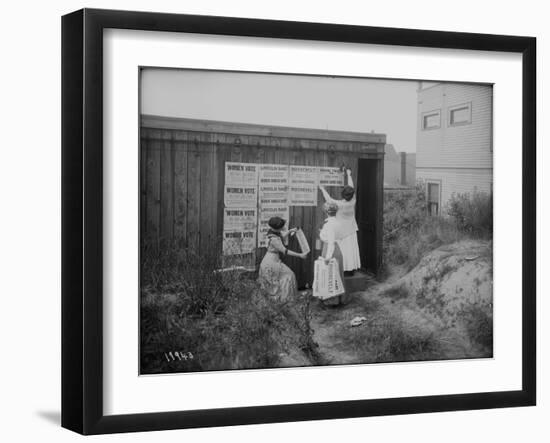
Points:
(329, 235)
(345, 216)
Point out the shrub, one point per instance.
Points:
(477, 319)
(472, 213)
(410, 232)
(222, 319)
(408, 246)
(403, 209)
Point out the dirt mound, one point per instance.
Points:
(441, 309)
(451, 279)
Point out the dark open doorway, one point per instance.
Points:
(368, 214)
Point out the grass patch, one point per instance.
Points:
(410, 232)
(385, 337)
(397, 292)
(478, 323)
(222, 320)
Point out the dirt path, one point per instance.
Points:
(402, 324)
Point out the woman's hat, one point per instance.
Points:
(276, 222)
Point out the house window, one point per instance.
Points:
(460, 114)
(433, 198)
(431, 120)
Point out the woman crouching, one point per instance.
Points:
(276, 278)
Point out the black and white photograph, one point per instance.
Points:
(299, 220)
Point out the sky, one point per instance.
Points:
(321, 102)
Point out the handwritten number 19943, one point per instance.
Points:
(178, 355)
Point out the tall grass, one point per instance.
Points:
(472, 213)
(386, 337)
(410, 232)
(217, 320)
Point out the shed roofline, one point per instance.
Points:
(188, 124)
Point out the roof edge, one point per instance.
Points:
(162, 122)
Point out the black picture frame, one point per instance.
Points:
(82, 216)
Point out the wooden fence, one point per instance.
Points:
(182, 172)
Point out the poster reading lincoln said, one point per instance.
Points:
(273, 184)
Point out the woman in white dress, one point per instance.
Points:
(348, 225)
(330, 235)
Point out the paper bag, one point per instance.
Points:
(327, 282)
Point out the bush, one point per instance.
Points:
(472, 213)
(403, 209)
(410, 232)
(221, 319)
(477, 319)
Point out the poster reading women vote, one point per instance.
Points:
(239, 219)
(240, 196)
(239, 242)
(241, 185)
(241, 174)
(330, 176)
(273, 184)
(303, 186)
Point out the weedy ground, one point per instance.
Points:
(433, 301)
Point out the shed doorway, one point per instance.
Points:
(368, 209)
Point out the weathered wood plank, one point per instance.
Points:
(166, 190)
(153, 192)
(208, 179)
(193, 192)
(143, 188)
(180, 189)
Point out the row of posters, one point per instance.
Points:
(253, 193)
(247, 184)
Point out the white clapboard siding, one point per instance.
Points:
(465, 146)
(457, 181)
(458, 158)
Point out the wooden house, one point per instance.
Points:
(454, 140)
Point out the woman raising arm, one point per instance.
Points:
(347, 225)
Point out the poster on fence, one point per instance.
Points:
(241, 174)
(303, 186)
(330, 176)
(239, 219)
(273, 184)
(239, 242)
(302, 196)
(265, 213)
(273, 195)
(240, 196)
(273, 174)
